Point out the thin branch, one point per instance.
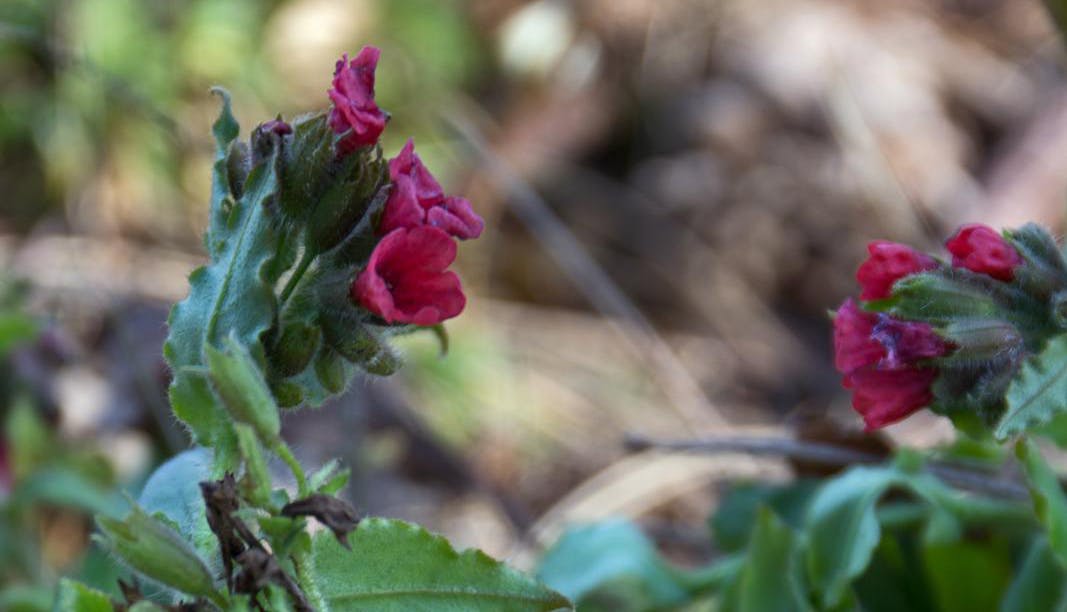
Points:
(960, 476)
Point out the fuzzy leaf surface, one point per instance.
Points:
(1038, 393)
(76, 597)
(396, 566)
(230, 297)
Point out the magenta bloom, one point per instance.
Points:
(354, 109)
(889, 262)
(417, 199)
(981, 249)
(406, 279)
(880, 358)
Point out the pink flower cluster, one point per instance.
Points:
(406, 279)
(885, 361)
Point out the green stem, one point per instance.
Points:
(282, 449)
(294, 280)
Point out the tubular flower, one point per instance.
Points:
(979, 248)
(880, 358)
(406, 278)
(354, 109)
(417, 199)
(887, 263)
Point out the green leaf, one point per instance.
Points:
(1039, 583)
(1050, 504)
(1038, 392)
(330, 478)
(396, 566)
(174, 491)
(76, 597)
(967, 576)
(153, 548)
(736, 515)
(894, 580)
(64, 487)
(595, 557)
(230, 297)
(771, 579)
(843, 530)
(26, 598)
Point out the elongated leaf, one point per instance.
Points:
(1038, 392)
(174, 491)
(1039, 583)
(230, 297)
(396, 566)
(771, 579)
(1050, 504)
(967, 576)
(592, 557)
(76, 597)
(155, 549)
(843, 529)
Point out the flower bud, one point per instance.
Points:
(292, 351)
(330, 371)
(887, 263)
(239, 383)
(238, 165)
(983, 340)
(979, 248)
(150, 546)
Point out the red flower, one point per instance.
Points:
(406, 280)
(417, 199)
(888, 263)
(354, 110)
(880, 357)
(981, 249)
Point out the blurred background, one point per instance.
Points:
(676, 192)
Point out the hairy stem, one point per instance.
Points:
(305, 262)
(282, 449)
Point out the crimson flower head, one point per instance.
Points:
(406, 279)
(887, 263)
(881, 359)
(417, 199)
(979, 248)
(354, 110)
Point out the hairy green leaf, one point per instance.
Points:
(76, 597)
(230, 297)
(153, 548)
(1038, 392)
(396, 566)
(1038, 584)
(173, 490)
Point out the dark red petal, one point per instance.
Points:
(887, 263)
(979, 248)
(853, 346)
(883, 397)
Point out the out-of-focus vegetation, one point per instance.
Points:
(723, 162)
